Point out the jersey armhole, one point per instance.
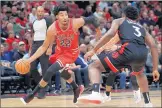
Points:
(121, 22)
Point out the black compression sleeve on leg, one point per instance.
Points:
(111, 78)
(65, 74)
(51, 70)
(134, 82)
(92, 20)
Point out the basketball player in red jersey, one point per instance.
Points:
(64, 32)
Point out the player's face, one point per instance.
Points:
(63, 17)
(40, 13)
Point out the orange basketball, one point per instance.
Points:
(22, 67)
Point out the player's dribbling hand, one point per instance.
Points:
(156, 75)
(89, 55)
(26, 60)
(49, 51)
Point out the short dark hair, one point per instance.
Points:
(131, 12)
(59, 8)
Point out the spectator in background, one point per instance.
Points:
(21, 20)
(85, 31)
(158, 10)
(115, 11)
(4, 10)
(103, 4)
(153, 18)
(108, 25)
(9, 27)
(32, 16)
(88, 11)
(87, 40)
(7, 53)
(4, 56)
(98, 13)
(14, 11)
(21, 51)
(16, 28)
(4, 32)
(11, 38)
(106, 14)
(8, 13)
(102, 27)
(144, 19)
(15, 47)
(122, 79)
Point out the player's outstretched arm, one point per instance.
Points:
(108, 46)
(153, 47)
(154, 52)
(50, 37)
(79, 22)
(106, 38)
(108, 35)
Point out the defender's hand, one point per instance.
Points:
(156, 75)
(89, 55)
(112, 48)
(100, 50)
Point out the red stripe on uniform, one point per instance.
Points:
(138, 73)
(60, 63)
(121, 51)
(111, 66)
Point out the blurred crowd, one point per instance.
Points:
(17, 18)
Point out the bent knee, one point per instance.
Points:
(97, 64)
(94, 65)
(140, 75)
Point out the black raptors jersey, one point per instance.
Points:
(133, 32)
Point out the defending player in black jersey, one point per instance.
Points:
(133, 52)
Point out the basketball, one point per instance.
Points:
(22, 67)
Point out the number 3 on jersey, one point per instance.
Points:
(137, 29)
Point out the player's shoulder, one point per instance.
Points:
(119, 20)
(52, 26)
(76, 20)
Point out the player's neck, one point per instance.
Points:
(64, 27)
(135, 21)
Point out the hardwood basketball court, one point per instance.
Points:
(122, 99)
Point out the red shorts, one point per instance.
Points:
(63, 59)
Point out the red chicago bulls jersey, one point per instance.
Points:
(67, 43)
(67, 40)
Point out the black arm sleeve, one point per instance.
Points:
(92, 20)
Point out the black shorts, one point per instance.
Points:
(128, 55)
